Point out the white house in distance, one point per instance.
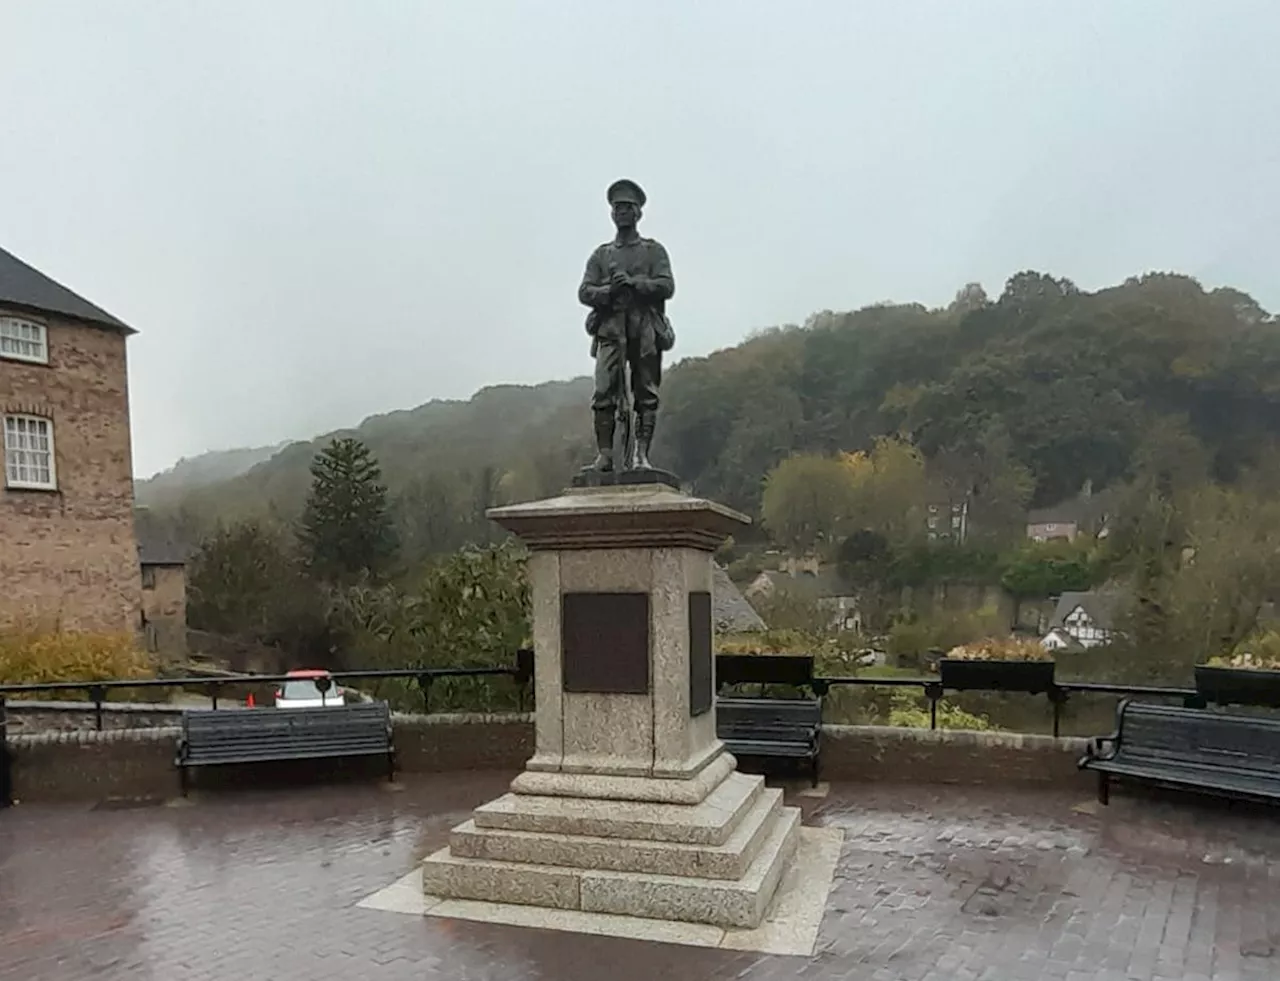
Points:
(1081, 621)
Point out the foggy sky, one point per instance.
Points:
(316, 211)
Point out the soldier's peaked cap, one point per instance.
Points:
(626, 190)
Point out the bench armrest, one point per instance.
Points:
(1100, 748)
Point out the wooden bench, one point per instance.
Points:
(220, 737)
(772, 729)
(1195, 749)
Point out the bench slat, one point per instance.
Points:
(1196, 748)
(212, 737)
(771, 728)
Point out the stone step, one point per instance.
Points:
(708, 823)
(740, 903)
(453, 877)
(728, 861)
(721, 902)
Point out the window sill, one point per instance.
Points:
(42, 362)
(31, 489)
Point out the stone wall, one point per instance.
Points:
(28, 717)
(893, 755)
(70, 558)
(164, 604)
(123, 763)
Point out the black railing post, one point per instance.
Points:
(6, 779)
(933, 692)
(97, 693)
(1058, 697)
(424, 685)
(523, 674)
(213, 694)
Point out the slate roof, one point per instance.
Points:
(729, 608)
(156, 550)
(1100, 606)
(24, 286)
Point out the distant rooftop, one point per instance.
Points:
(24, 286)
(154, 549)
(1100, 605)
(731, 612)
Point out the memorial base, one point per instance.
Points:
(717, 860)
(630, 805)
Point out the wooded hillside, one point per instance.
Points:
(1070, 385)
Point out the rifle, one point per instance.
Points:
(623, 412)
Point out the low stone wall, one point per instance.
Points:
(139, 762)
(83, 764)
(88, 765)
(27, 717)
(894, 755)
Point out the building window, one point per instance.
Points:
(28, 453)
(23, 340)
(148, 577)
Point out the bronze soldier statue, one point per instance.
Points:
(626, 284)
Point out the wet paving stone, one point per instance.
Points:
(933, 884)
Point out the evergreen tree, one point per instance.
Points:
(346, 525)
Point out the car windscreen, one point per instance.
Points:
(302, 688)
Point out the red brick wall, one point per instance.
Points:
(70, 557)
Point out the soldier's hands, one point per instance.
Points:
(619, 278)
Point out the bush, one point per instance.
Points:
(1042, 569)
(911, 710)
(779, 641)
(910, 640)
(1002, 649)
(29, 657)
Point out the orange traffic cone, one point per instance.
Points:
(248, 702)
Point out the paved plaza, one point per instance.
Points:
(932, 884)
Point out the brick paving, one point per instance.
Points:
(934, 884)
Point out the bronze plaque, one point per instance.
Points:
(701, 663)
(604, 643)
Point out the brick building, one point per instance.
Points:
(164, 592)
(68, 555)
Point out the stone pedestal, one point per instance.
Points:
(630, 804)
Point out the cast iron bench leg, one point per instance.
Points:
(1104, 787)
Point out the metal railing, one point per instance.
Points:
(98, 692)
(521, 672)
(1058, 693)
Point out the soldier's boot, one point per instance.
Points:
(644, 439)
(604, 422)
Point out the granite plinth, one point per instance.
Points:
(729, 860)
(610, 786)
(630, 805)
(685, 897)
(708, 822)
(624, 478)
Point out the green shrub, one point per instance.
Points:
(32, 657)
(910, 710)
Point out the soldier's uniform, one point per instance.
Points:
(628, 326)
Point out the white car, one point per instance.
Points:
(301, 691)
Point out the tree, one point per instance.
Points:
(346, 527)
(890, 489)
(969, 298)
(808, 499)
(1046, 569)
(1200, 565)
(245, 581)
